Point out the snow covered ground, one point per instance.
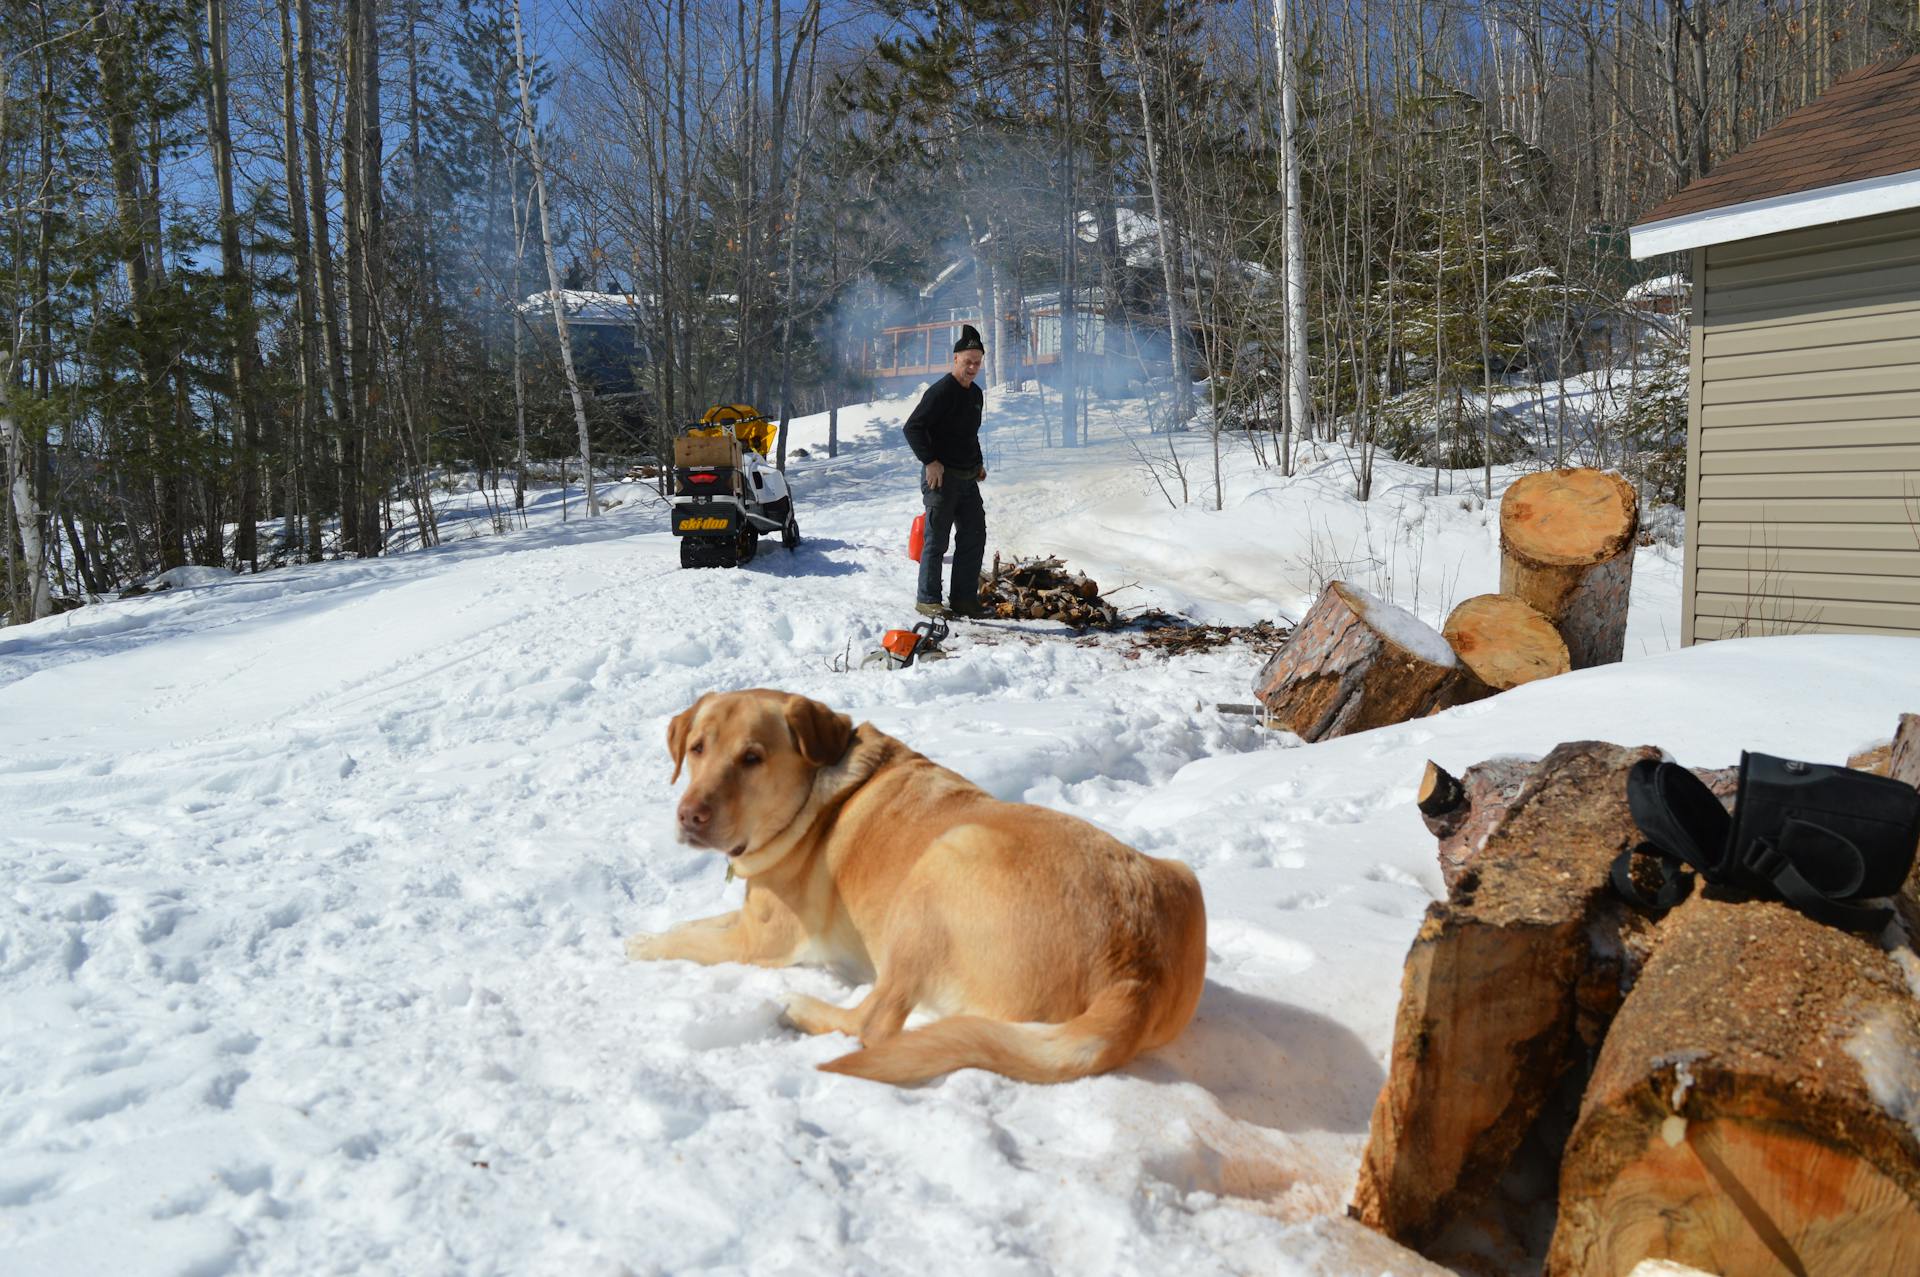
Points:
(315, 883)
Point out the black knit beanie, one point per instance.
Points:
(969, 339)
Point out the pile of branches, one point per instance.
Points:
(1166, 634)
(1044, 590)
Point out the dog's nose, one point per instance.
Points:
(695, 815)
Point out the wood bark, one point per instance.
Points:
(1505, 641)
(1508, 985)
(1342, 671)
(1752, 1109)
(1566, 548)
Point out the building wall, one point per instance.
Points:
(1803, 478)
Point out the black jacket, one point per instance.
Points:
(945, 425)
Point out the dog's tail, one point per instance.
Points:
(1104, 1036)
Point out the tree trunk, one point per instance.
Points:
(136, 233)
(1293, 229)
(1509, 983)
(553, 267)
(327, 295)
(1356, 663)
(1069, 247)
(1566, 548)
(1504, 641)
(1751, 1110)
(304, 447)
(1169, 264)
(236, 296)
(359, 177)
(35, 598)
(521, 217)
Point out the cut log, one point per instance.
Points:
(1480, 800)
(1357, 663)
(1440, 797)
(1508, 984)
(1903, 763)
(1755, 1108)
(1566, 548)
(1462, 813)
(1505, 641)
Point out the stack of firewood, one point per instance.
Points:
(1566, 565)
(1044, 590)
(1579, 1087)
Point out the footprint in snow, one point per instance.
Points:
(690, 653)
(1237, 945)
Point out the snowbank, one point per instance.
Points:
(317, 881)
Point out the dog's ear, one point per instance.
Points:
(821, 734)
(677, 731)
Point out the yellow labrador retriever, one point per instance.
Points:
(1051, 950)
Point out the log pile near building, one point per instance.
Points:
(1566, 570)
(1577, 1087)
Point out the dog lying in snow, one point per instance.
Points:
(1052, 950)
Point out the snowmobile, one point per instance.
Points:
(726, 493)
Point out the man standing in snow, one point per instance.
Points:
(944, 432)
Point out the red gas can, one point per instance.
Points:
(917, 537)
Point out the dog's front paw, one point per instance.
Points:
(811, 1015)
(644, 945)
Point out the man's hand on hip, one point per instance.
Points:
(935, 473)
(982, 474)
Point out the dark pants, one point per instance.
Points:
(953, 509)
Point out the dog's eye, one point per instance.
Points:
(699, 747)
(751, 758)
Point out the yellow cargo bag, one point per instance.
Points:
(750, 426)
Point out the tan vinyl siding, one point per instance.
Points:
(1717, 627)
(1804, 475)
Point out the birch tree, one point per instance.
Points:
(34, 598)
(1293, 237)
(530, 136)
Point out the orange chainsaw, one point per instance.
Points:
(900, 648)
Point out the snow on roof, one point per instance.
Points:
(584, 307)
(1664, 286)
(953, 268)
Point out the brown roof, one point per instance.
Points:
(1867, 124)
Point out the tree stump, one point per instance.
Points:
(1506, 987)
(1566, 548)
(1357, 663)
(1505, 641)
(1755, 1108)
